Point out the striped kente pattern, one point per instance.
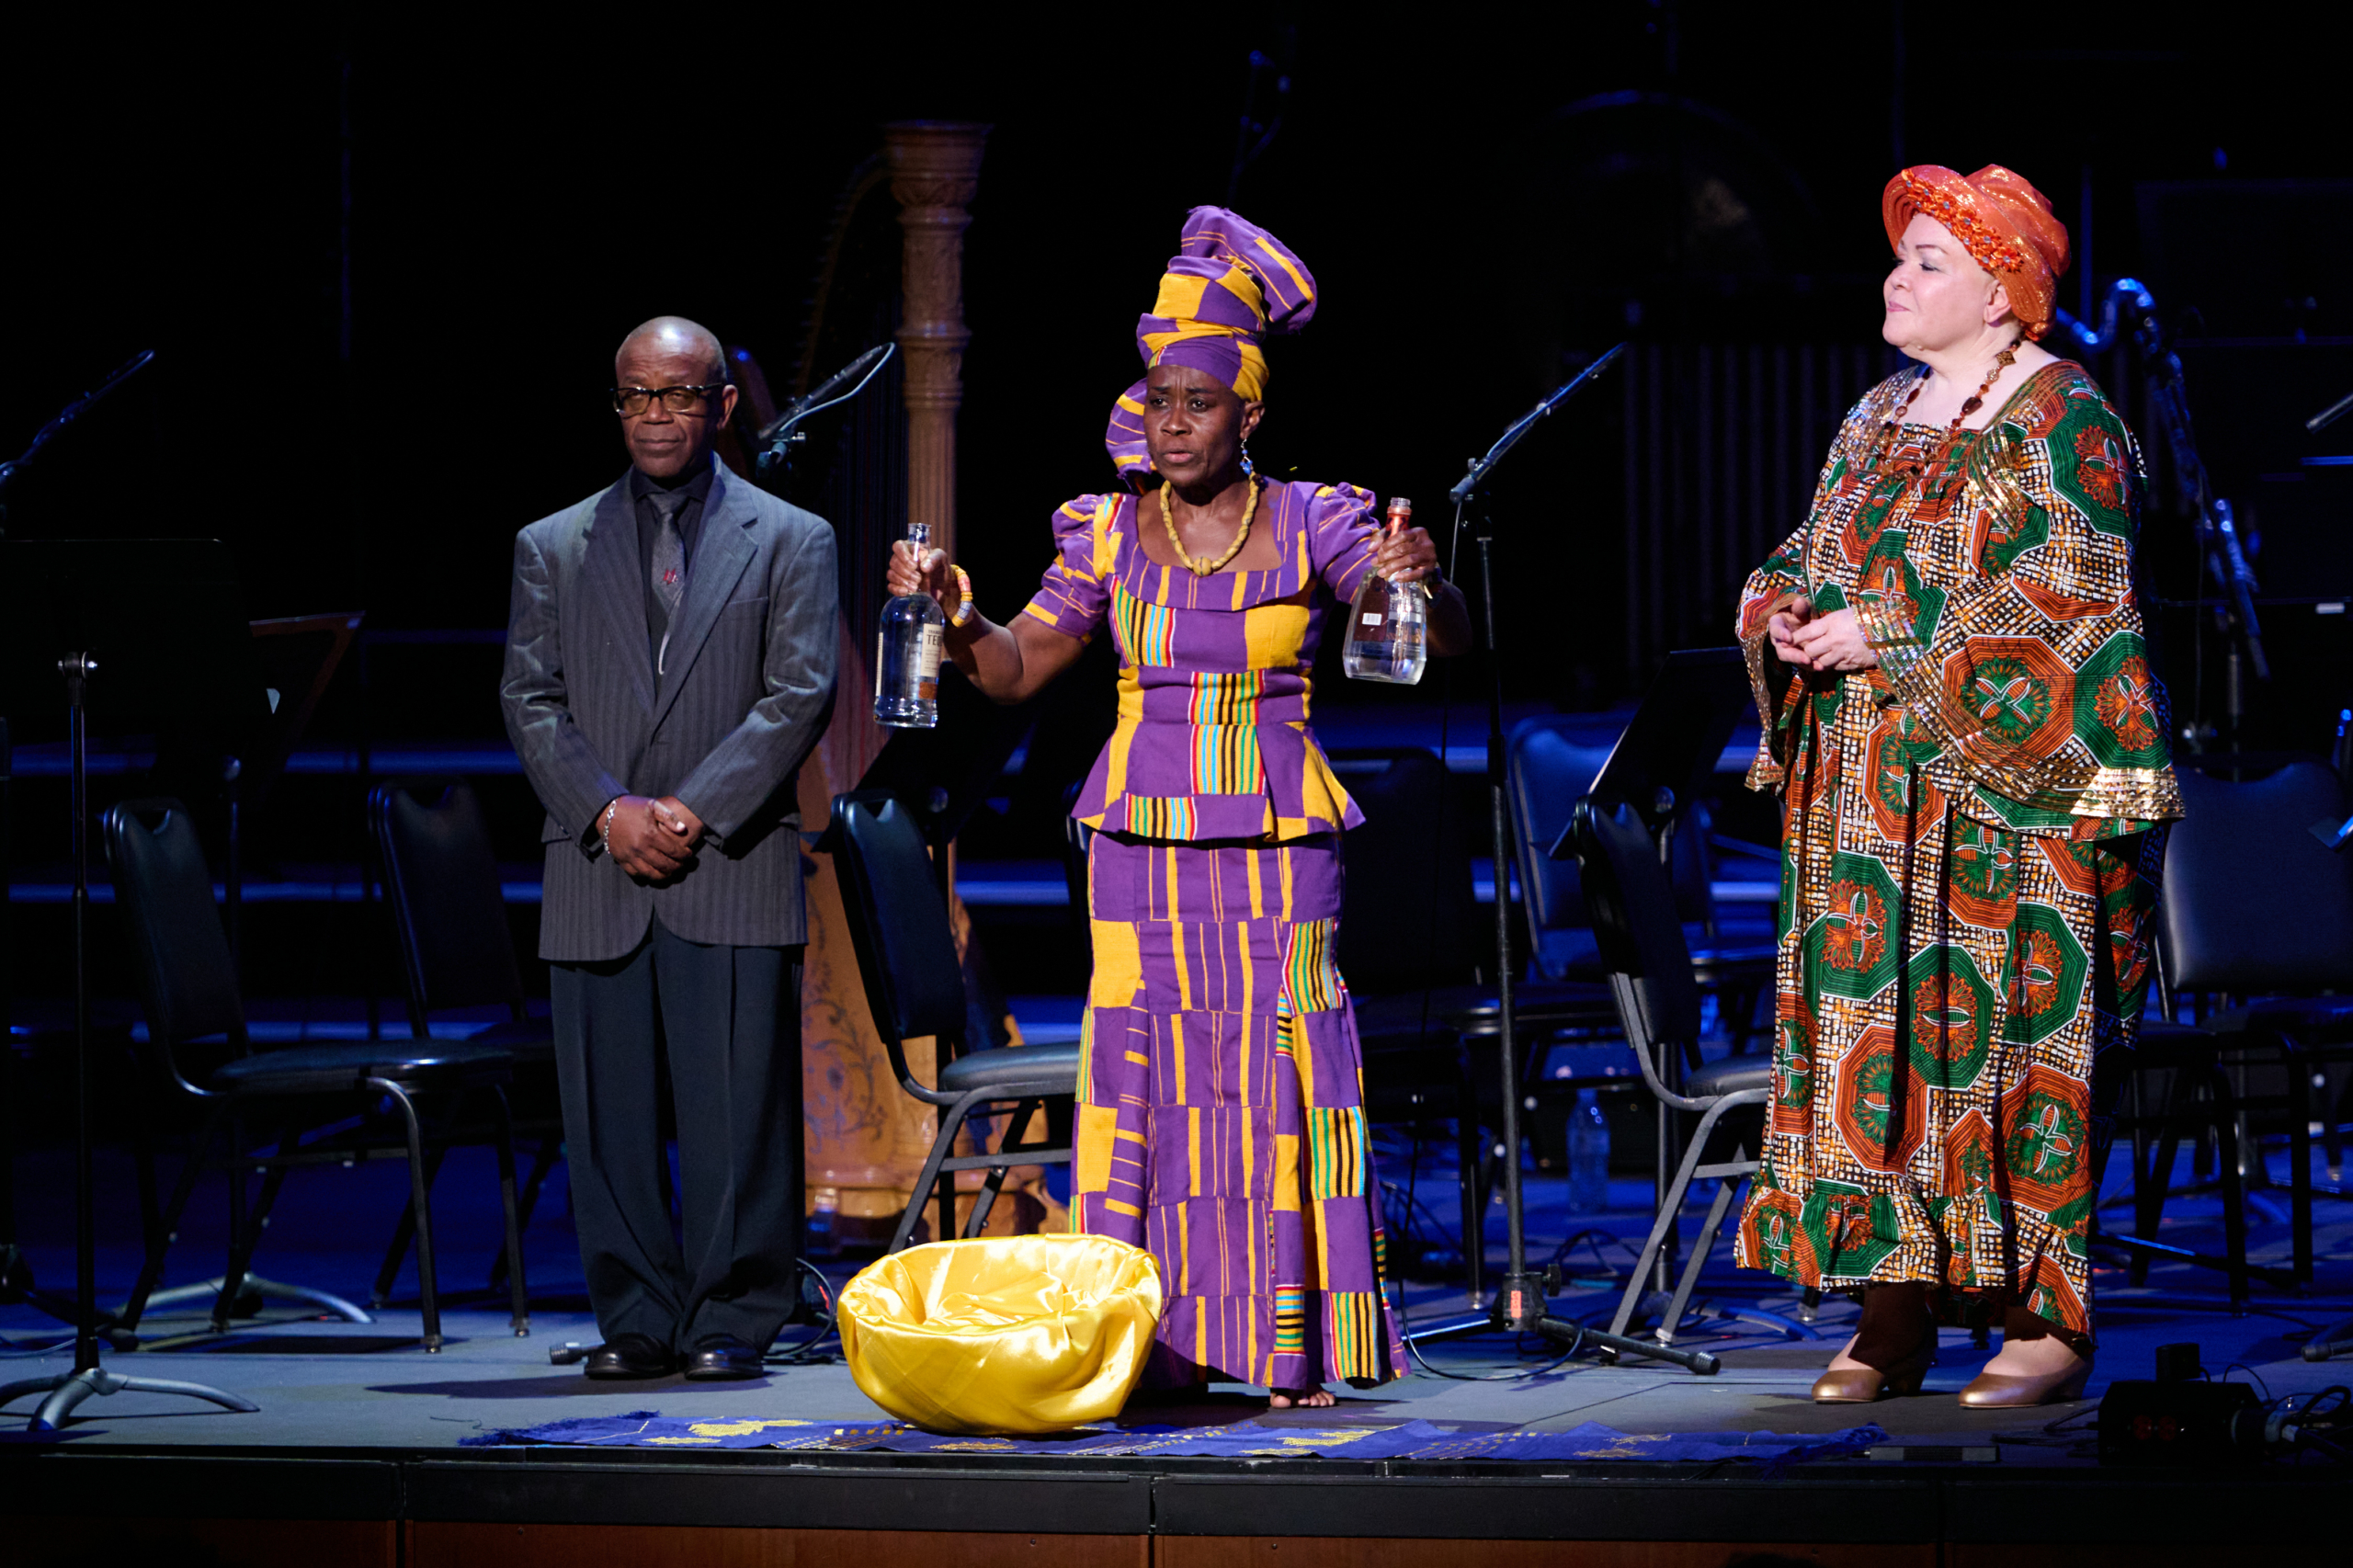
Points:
(1291, 1321)
(1337, 1155)
(1216, 673)
(1160, 816)
(1220, 1119)
(1144, 627)
(1312, 966)
(1224, 714)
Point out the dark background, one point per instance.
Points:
(384, 268)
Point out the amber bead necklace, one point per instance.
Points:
(1895, 425)
(1240, 538)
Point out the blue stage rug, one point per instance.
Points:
(1418, 1440)
(652, 1429)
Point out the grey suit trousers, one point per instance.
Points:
(727, 1020)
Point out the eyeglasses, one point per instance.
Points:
(634, 401)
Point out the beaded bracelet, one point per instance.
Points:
(964, 610)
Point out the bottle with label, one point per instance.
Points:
(1588, 1155)
(1388, 621)
(907, 653)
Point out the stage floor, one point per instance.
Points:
(357, 1420)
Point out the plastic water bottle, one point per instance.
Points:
(907, 645)
(824, 1207)
(1588, 1155)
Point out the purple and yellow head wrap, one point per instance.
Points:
(1229, 284)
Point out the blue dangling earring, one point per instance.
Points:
(1248, 472)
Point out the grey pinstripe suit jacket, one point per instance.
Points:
(748, 686)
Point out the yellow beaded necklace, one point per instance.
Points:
(1208, 568)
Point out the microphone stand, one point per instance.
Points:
(15, 1275)
(64, 1390)
(1520, 1306)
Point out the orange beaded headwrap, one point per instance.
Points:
(2001, 222)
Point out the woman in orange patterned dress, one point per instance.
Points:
(1960, 718)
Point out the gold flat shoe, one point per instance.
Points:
(2001, 1390)
(1868, 1385)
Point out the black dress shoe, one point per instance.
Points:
(631, 1355)
(722, 1357)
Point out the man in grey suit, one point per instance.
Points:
(669, 663)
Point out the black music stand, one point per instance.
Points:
(159, 622)
(1670, 748)
(1661, 763)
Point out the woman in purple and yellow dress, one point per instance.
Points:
(1220, 1122)
(1961, 716)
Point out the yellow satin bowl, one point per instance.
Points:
(1003, 1334)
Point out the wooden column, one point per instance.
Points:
(935, 170)
(867, 1138)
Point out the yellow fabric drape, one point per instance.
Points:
(1008, 1335)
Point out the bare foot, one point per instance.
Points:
(1304, 1399)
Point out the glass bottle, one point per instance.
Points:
(907, 653)
(1388, 621)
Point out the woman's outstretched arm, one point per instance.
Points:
(1009, 664)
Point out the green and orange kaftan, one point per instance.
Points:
(1971, 847)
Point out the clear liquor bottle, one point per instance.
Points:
(1388, 622)
(907, 653)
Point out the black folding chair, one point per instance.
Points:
(2255, 909)
(200, 1056)
(914, 987)
(1635, 923)
(441, 883)
(1547, 773)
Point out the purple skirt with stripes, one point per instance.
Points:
(1221, 1120)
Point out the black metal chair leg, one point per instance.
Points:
(242, 1248)
(1673, 1320)
(928, 1179)
(1663, 1226)
(2150, 1198)
(151, 1212)
(2300, 1158)
(986, 1199)
(2332, 1142)
(543, 1159)
(236, 1169)
(151, 1270)
(420, 1205)
(519, 1319)
(2226, 1131)
(943, 1191)
(247, 1238)
(403, 1232)
(2135, 1088)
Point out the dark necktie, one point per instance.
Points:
(669, 568)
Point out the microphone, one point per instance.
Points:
(809, 403)
(2329, 416)
(1560, 395)
(74, 411)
